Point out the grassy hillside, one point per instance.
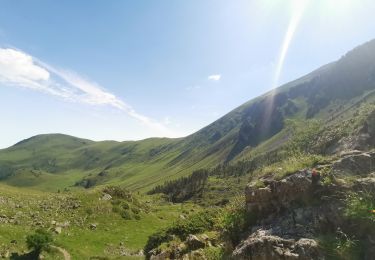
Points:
(51, 162)
(25, 210)
(154, 193)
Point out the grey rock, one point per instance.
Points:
(93, 226)
(193, 242)
(263, 246)
(356, 164)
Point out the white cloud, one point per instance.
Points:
(17, 68)
(215, 77)
(21, 69)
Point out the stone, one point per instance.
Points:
(278, 194)
(93, 226)
(261, 245)
(106, 196)
(6, 254)
(356, 164)
(161, 256)
(367, 184)
(193, 242)
(57, 230)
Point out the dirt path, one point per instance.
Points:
(63, 251)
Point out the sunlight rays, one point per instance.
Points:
(299, 7)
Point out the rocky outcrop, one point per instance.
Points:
(365, 184)
(191, 248)
(193, 242)
(291, 212)
(263, 246)
(278, 194)
(366, 136)
(355, 164)
(287, 223)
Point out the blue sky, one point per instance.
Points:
(128, 70)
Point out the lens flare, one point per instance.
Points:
(299, 7)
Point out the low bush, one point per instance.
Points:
(125, 214)
(39, 241)
(235, 220)
(360, 206)
(194, 224)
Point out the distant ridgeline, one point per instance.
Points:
(309, 115)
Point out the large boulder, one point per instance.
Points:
(355, 164)
(261, 245)
(278, 194)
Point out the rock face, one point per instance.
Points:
(286, 224)
(367, 133)
(367, 184)
(278, 194)
(291, 212)
(355, 164)
(263, 246)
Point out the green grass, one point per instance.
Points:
(78, 239)
(291, 165)
(360, 206)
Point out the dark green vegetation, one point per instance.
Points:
(183, 188)
(157, 194)
(40, 240)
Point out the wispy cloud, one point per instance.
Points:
(215, 77)
(18, 68)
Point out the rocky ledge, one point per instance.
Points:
(293, 211)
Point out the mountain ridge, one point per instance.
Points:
(318, 95)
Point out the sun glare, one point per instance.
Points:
(299, 7)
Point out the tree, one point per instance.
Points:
(40, 240)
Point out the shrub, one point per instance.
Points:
(341, 246)
(155, 240)
(116, 202)
(196, 223)
(125, 214)
(116, 209)
(135, 210)
(40, 240)
(235, 220)
(118, 192)
(89, 211)
(213, 253)
(125, 205)
(360, 206)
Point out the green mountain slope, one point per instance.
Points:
(55, 161)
